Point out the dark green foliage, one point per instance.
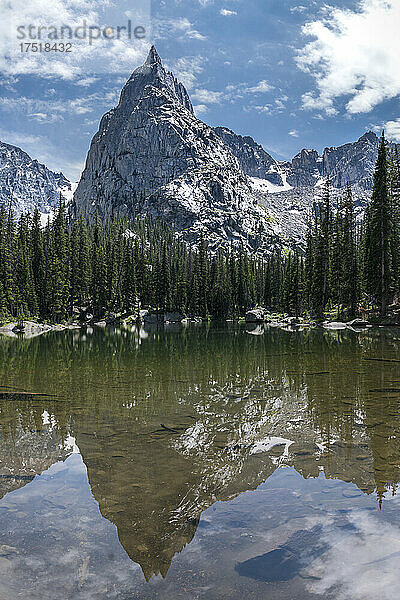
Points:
(379, 235)
(114, 266)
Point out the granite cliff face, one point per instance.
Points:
(27, 184)
(152, 155)
(352, 162)
(252, 157)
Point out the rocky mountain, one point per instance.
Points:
(353, 163)
(152, 155)
(27, 184)
(252, 157)
(299, 182)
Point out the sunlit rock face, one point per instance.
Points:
(152, 155)
(26, 184)
(252, 157)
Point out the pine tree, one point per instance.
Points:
(394, 189)
(38, 263)
(98, 270)
(348, 282)
(378, 243)
(60, 273)
(322, 255)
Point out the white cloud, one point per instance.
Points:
(193, 34)
(231, 94)
(86, 81)
(263, 109)
(392, 129)
(15, 138)
(176, 26)
(51, 111)
(360, 563)
(200, 109)
(280, 102)
(103, 55)
(187, 69)
(207, 96)
(294, 133)
(353, 54)
(298, 9)
(227, 13)
(260, 88)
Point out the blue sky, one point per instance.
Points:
(291, 74)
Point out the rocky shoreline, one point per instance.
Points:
(32, 329)
(255, 319)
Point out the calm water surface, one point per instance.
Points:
(207, 462)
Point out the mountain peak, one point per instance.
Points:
(369, 135)
(152, 73)
(153, 58)
(27, 183)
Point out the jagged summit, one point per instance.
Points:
(370, 136)
(152, 155)
(27, 184)
(152, 73)
(153, 57)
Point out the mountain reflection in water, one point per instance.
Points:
(170, 422)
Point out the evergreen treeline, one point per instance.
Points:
(351, 265)
(108, 267)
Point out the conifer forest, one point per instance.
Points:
(346, 266)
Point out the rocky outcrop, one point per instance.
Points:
(256, 315)
(305, 169)
(252, 157)
(152, 155)
(161, 318)
(26, 184)
(30, 329)
(353, 163)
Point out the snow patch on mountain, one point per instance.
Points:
(152, 155)
(26, 184)
(265, 186)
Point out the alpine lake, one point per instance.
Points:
(214, 462)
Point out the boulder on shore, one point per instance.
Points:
(257, 315)
(255, 329)
(334, 325)
(153, 318)
(157, 318)
(357, 323)
(173, 317)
